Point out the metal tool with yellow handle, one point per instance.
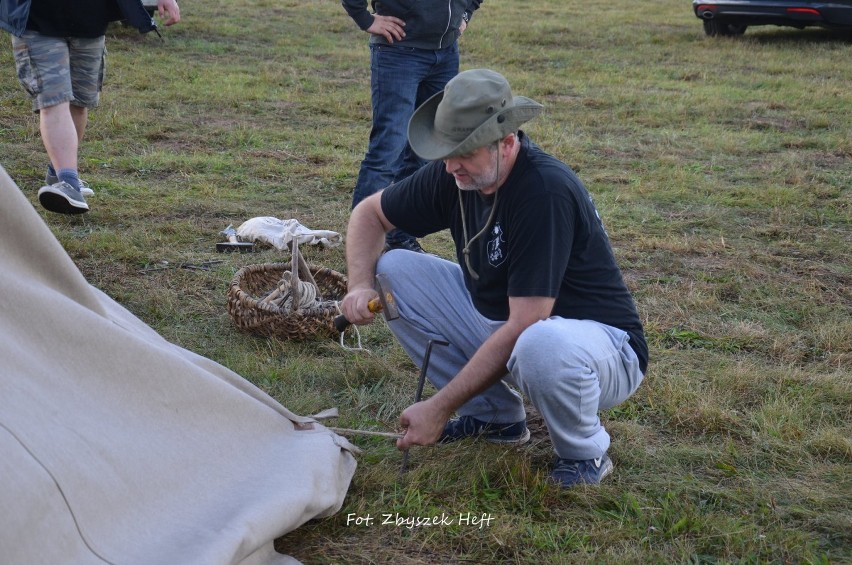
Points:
(385, 303)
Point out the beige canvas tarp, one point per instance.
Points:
(117, 446)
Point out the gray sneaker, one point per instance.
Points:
(85, 189)
(62, 198)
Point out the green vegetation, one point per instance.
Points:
(722, 168)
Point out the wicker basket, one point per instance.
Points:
(251, 316)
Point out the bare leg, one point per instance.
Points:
(60, 135)
(80, 116)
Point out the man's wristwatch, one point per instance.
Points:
(466, 16)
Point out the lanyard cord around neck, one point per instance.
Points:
(467, 243)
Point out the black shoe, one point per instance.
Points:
(406, 244)
(468, 426)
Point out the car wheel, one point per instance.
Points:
(715, 27)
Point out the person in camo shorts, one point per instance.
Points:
(60, 52)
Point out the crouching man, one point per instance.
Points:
(536, 300)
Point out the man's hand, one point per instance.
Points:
(364, 242)
(462, 27)
(169, 11)
(354, 305)
(423, 423)
(388, 27)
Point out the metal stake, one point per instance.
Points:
(419, 392)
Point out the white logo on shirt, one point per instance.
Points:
(495, 246)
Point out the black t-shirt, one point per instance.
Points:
(546, 239)
(81, 18)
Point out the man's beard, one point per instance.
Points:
(484, 180)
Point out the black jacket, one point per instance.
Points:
(429, 24)
(14, 14)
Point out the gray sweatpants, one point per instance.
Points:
(568, 369)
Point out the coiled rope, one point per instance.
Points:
(283, 296)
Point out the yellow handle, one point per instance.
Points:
(375, 305)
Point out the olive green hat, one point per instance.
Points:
(475, 108)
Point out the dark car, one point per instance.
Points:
(732, 17)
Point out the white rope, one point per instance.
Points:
(358, 347)
(282, 296)
(345, 431)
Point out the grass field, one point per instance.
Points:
(722, 169)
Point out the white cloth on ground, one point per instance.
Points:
(280, 233)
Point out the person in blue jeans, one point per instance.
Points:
(413, 54)
(535, 306)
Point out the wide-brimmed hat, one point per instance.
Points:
(475, 108)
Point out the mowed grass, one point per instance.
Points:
(722, 169)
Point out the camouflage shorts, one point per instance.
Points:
(54, 70)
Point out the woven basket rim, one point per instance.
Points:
(250, 315)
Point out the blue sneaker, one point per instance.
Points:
(469, 427)
(410, 244)
(62, 198)
(568, 472)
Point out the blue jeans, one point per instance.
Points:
(402, 78)
(568, 369)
